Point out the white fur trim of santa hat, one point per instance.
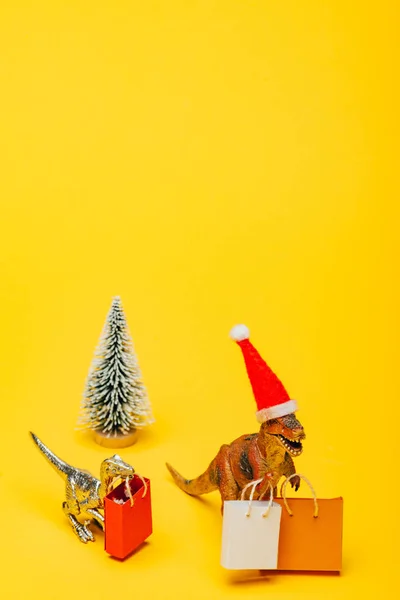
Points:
(274, 412)
(240, 333)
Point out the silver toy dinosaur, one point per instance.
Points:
(85, 493)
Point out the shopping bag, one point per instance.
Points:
(128, 517)
(311, 532)
(250, 532)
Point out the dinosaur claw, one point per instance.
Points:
(295, 482)
(89, 536)
(84, 534)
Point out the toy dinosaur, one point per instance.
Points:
(85, 493)
(266, 454)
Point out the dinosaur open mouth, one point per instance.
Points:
(293, 447)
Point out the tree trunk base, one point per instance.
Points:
(116, 441)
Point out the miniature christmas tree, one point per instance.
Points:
(115, 401)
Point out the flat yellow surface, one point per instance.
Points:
(212, 163)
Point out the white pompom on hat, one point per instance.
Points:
(240, 333)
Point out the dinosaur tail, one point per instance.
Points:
(203, 484)
(59, 465)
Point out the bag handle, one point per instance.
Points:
(254, 484)
(128, 487)
(283, 493)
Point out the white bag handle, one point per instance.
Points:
(254, 484)
(283, 493)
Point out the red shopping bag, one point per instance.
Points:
(311, 533)
(128, 520)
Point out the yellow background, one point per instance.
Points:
(212, 163)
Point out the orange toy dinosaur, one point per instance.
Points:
(266, 455)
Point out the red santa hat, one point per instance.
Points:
(272, 399)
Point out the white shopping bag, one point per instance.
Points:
(250, 532)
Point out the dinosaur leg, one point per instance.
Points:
(72, 509)
(98, 518)
(81, 530)
(228, 488)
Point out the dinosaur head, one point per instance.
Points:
(116, 467)
(288, 431)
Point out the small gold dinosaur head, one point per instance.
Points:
(288, 431)
(116, 467)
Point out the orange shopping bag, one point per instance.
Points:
(311, 533)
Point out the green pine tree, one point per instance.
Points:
(115, 401)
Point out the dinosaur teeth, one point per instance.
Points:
(293, 448)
